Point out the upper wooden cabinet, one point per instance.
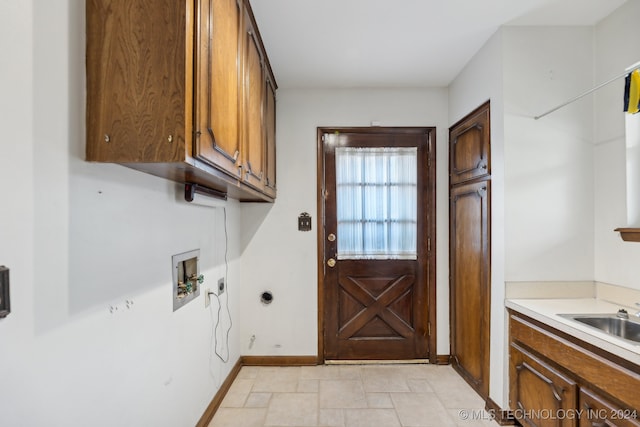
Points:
(182, 90)
(469, 140)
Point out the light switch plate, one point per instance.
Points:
(304, 222)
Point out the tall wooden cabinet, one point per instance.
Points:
(182, 90)
(470, 248)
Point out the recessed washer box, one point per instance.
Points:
(186, 277)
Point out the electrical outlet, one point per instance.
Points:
(221, 286)
(207, 297)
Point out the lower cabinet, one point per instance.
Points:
(538, 391)
(598, 411)
(557, 380)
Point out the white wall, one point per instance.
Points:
(482, 80)
(283, 259)
(548, 162)
(616, 48)
(80, 238)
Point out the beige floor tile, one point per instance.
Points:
(237, 394)
(277, 380)
(308, 386)
(320, 372)
(293, 409)
(421, 371)
(351, 396)
(331, 418)
(457, 395)
(419, 386)
(472, 418)
(236, 417)
(421, 410)
(384, 379)
(371, 417)
(350, 372)
(248, 372)
(342, 394)
(258, 400)
(379, 400)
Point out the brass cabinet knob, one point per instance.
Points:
(331, 262)
(331, 237)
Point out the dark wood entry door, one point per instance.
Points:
(376, 267)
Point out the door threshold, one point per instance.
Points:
(377, 362)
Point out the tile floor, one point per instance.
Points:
(351, 396)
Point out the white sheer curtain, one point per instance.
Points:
(376, 191)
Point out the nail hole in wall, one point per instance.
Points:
(266, 298)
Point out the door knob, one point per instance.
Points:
(331, 237)
(331, 262)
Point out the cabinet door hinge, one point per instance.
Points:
(428, 244)
(429, 329)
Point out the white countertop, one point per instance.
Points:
(547, 310)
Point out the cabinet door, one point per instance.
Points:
(540, 395)
(469, 282)
(129, 118)
(254, 148)
(270, 127)
(217, 85)
(469, 145)
(596, 411)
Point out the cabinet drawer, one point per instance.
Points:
(596, 411)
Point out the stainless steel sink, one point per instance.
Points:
(611, 324)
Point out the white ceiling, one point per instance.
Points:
(396, 43)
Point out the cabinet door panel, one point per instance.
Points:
(540, 394)
(217, 84)
(270, 127)
(254, 86)
(136, 81)
(470, 146)
(470, 294)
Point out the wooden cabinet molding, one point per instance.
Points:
(600, 376)
(184, 91)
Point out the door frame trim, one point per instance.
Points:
(430, 226)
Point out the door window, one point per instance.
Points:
(376, 197)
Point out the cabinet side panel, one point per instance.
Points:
(270, 125)
(136, 62)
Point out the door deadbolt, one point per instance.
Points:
(331, 237)
(331, 262)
